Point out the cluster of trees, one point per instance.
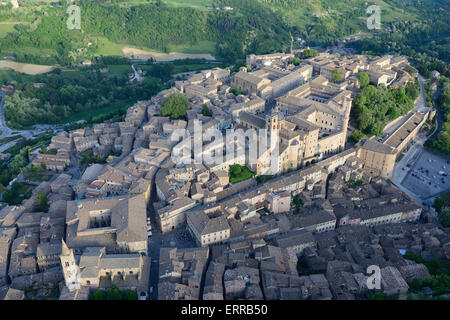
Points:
(309, 53)
(439, 279)
(444, 218)
(49, 36)
(441, 203)
(63, 95)
(150, 25)
(425, 40)
(356, 136)
(113, 293)
(88, 157)
(364, 79)
(205, 111)
(175, 106)
(442, 143)
(236, 92)
(336, 76)
(17, 193)
(20, 158)
(41, 201)
(374, 106)
(240, 173)
(297, 201)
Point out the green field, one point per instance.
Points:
(199, 4)
(109, 48)
(10, 75)
(6, 27)
(203, 46)
(86, 115)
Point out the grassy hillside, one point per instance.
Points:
(204, 26)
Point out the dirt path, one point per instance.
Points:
(133, 53)
(26, 68)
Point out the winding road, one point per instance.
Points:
(439, 120)
(3, 127)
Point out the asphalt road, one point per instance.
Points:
(3, 127)
(439, 120)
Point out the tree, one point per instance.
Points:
(356, 136)
(296, 61)
(444, 218)
(236, 170)
(175, 106)
(309, 53)
(412, 90)
(336, 76)
(364, 79)
(379, 296)
(7, 196)
(205, 111)
(98, 295)
(415, 285)
(41, 202)
(18, 163)
(130, 295)
(297, 201)
(236, 92)
(439, 203)
(114, 293)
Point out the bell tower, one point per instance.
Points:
(273, 126)
(70, 268)
(273, 121)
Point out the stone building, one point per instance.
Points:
(119, 224)
(378, 158)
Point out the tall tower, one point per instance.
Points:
(273, 126)
(70, 268)
(273, 121)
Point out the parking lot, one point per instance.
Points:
(428, 175)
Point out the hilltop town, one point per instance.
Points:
(145, 206)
